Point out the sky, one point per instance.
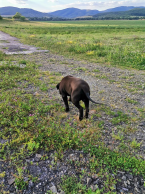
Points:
(53, 5)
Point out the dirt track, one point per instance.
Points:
(11, 45)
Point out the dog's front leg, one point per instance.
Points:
(66, 103)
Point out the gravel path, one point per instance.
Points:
(120, 89)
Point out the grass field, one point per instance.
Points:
(31, 122)
(118, 43)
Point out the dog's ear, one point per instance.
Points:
(57, 86)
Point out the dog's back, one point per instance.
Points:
(73, 85)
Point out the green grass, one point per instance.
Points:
(119, 43)
(35, 120)
(32, 122)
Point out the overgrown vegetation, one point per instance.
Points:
(31, 119)
(118, 43)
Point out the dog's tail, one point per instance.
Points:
(88, 96)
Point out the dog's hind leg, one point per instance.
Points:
(66, 103)
(77, 104)
(87, 108)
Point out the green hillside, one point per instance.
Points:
(130, 13)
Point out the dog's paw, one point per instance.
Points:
(67, 110)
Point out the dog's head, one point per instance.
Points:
(57, 86)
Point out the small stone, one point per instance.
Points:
(53, 189)
(124, 178)
(2, 141)
(97, 182)
(130, 176)
(89, 180)
(72, 157)
(121, 172)
(94, 187)
(61, 174)
(124, 189)
(142, 182)
(26, 179)
(143, 147)
(38, 155)
(28, 161)
(94, 176)
(136, 189)
(125, 183)
(62, 192)
(36, 94)
(142, 124)
(31, 184)
(11, 181)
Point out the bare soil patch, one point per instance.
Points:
(11, 45)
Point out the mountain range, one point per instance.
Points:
(136, 12)
(70, 13)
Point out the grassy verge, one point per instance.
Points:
(31, 119)
(112, 42)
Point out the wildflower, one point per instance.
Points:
(58, 42)
(90, 52)
(70, 42)
(99, 44)
(32, 36)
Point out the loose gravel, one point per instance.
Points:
(120, 89)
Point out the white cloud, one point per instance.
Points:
(24, 2)
(102, 5)
(52, 1)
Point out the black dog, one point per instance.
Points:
(78, 90)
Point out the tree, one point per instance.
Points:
(22, 18)
(17, 16)
(1, 17)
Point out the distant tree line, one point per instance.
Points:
(86, 18)
(111, 18)
(48, 19)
